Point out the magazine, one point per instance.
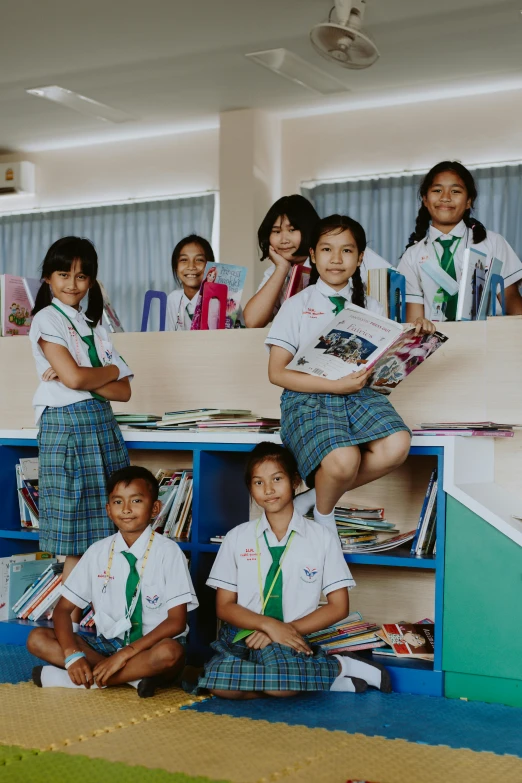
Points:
(218, 305)
(473, 260)
(357, 339)
(411, 640)
(15, 306)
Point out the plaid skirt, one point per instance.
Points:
(276, 668)
(108, 647)
(313, 425)
(80, 445)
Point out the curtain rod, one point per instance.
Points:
(404, 173)
(117, 203)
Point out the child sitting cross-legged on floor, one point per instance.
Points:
(139, 585)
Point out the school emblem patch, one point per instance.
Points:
(309, 574)
(152, 600)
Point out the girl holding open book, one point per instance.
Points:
(80, 443)
(342, 433)
(284, 238)
(445, 228)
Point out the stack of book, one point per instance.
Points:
(468, 429)
(39, 600)
(87, 620)
(27, 486)
(201, 420)
(408, 640)
(366, 530)
(128, 420)
(175, 517)
(425, 536)
(349, 635)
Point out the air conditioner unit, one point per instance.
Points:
(16, 178)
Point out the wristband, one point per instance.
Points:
(72, 658)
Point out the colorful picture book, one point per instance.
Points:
(175, 493)
(425, 535)
(357, 339)
(349, 635)
(299, 279)
(219, 300)
(27, 486)
(40, 598)
(16, 304)
(495, 268)
(472, 261)
(410, 640)
(5, 564)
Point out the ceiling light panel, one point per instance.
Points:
(297, 70)
(80, 103)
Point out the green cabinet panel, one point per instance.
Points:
(474, 687)
(482, 631)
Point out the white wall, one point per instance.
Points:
(476, 129)
(168, 165)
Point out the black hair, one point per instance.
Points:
(197, 240)
(423, 220)
(132, 473)
(302, 216)
(266, 450)
(337, 224)
(59, 258)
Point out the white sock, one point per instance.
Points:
(305, 501)
(328, 520)
(342, 683)
(53, 677)
(352, 667)
(134, 683)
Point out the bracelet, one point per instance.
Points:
(72, 658)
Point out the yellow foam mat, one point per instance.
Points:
(59, 717)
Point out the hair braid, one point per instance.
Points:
(358, 296)
(479, 230)
(422, 225)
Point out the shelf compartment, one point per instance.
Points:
(396, 557)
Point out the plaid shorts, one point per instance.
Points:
(276, 668)
(313, 425)
(80, 445)
(108, 647)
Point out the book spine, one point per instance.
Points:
(32, 589)
(427, 517)
(47, 603)
(40, 597)
(423, 511)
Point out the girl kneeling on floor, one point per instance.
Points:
(269, 575)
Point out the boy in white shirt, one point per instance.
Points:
(140, 587)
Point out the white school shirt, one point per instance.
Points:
(304, 316)
(179, 310)
(313, 564)
(371, 260)
(421, 289)
(166, 581)
(52, 326)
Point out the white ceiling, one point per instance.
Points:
(175, 64)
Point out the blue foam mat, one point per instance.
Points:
(427, 720)
(16, 663)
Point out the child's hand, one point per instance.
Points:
(277, 259)
(109, 666)
(423, 326)
(284, 633)
(258, 640)
(80, 672)
(50, 375)
(352, 383)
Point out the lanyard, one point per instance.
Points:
(265, 599)
(179, 320)
(452, 255)
(134, 601)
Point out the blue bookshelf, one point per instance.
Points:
(217, 467)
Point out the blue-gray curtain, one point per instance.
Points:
(134, 243)
(387, 206)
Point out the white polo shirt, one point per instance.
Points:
(371, 260)
(166, 581)
(52, 326)
(179, 311)
(313, 564)
(422, 289)
(304, 316)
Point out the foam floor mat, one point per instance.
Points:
(422, 719)
(16, 663)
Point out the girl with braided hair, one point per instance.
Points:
(444, 229)
(341, 433)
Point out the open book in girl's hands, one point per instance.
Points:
(357, 339)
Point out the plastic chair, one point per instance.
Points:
(149, 297)
(496, 282)
(396, 296)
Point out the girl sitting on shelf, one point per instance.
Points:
(189, 260)
(444, 229)
(269, 575)
(80, 443)
(342, 434)
(284, 238)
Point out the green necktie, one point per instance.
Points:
(91, 350)
(133, 579)
(274, 605)
(338, 303)
(448, 265)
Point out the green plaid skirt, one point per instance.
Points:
(80, 446)
(276, 668)
(313, 425)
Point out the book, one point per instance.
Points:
(15, 306)
(219, 300)
(32, 286)
(427, 497)
(474, 425)
(357, 339)
(110, 320)
(22, 577)
(299, 279)
(495, 268)
(380, 545)
(467, 433)
(388, 287)
(5, 563)
(472, 261)
(411, 640)
(430, 517)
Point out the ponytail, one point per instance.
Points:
(358, 296)
(94, 310)
(43, 299)
(479, 230)
(422, 225)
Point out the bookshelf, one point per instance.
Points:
(390, 586)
